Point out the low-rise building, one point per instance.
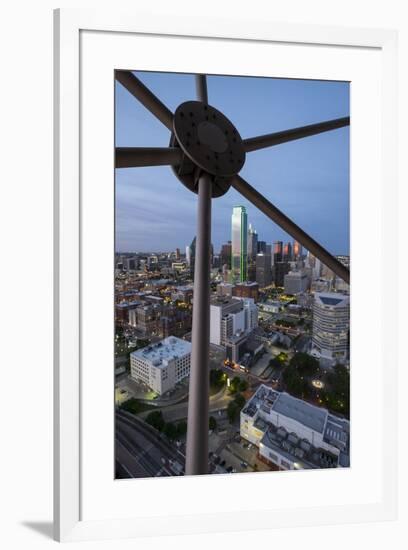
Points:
(146, 318)
(225, 289)
(273, 306)
(183, 293)
(229, 316)
(123, 311)
(246, 289)
(161, 366)
(235, 346)
(293, 434)
(296, 282)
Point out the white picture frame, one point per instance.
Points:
(71, 29)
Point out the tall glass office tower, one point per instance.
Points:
(252, 244)
(239, 233)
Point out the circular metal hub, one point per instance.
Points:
(210, 142)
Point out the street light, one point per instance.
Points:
(206, 153)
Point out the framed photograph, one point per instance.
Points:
(225, 205)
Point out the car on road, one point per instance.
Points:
(244, 465)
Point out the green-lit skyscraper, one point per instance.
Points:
(239, 232)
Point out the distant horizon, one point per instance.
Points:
(183, 251)
(308, 179)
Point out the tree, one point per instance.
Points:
(296, 383)
(337, 397)
(282, 357)
(181, 428)
(239, 400)
(212, 423)
(232, 411)
(275, 363)
(234, 407)
(134, 406)
(243, 385)
(170, 431)
(217, 378)
(304, 363)
(234, 384)
(155, 419)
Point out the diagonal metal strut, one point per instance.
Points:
(128, 157)
(198, 400)
(146, 97)
(290, 227)
(269, 140)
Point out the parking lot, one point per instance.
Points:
(228, 450)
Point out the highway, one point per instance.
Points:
(140, 450)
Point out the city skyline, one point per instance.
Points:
(312, 173)
(237, 362)
(294, 246)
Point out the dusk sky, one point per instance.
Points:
(307, 179)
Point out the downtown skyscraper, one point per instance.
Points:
(239, 234)
(252, 243)
(190, 256)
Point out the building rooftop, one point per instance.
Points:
(292, 447)
(184, 288)
(335, 430)
(237, 337)
(160, 353)
(133, 303)
(296, 274)
(304, 413)
(332, 298)
(221, 301)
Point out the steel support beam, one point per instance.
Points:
(201, 87)
(146, 97)
(269, 140)
(128, 157)
(290, 227)
(198, 399)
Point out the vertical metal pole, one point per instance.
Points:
(201, 87)
(197, 422)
